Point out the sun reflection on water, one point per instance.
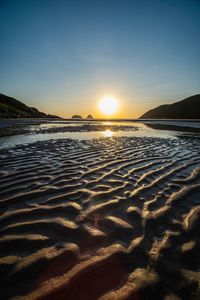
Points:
(108, 133)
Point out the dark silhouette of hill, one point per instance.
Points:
(89, 117)
(76, 117)
(12, 108)
(188, 108)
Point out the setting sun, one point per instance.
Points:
(108, 105)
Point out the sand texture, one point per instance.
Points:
(102, 219)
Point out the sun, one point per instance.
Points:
(108, 105)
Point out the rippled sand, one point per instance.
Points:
(114, 218)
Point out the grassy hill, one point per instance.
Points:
(188, 108)
(12, 108)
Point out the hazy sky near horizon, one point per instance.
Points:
(63, 56)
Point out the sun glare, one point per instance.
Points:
(107, 133)
(108, 105)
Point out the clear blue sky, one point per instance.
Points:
(63, 56)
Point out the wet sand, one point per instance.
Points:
(114, 218)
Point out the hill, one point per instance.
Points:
(184, 109)
(12, 108)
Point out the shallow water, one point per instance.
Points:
(21, 132)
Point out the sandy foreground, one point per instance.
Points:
(101, 219)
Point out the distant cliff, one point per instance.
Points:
(12, 108)
(188, 108)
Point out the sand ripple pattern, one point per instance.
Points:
(105, 219)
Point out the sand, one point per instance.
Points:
(114, 218)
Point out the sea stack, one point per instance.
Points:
(76, 117)
(89, 117)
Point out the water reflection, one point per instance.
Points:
(108, 133)
(25, 135)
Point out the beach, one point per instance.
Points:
(100, 211)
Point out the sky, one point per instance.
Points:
(63, 56)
